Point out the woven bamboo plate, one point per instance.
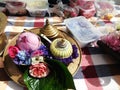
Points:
(17, 76)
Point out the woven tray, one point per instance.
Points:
(17, 76)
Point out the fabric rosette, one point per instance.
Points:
(39, 70)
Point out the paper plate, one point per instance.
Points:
(17, 76)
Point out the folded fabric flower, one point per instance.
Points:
(39, 70)
(12, 51)
(22, 58)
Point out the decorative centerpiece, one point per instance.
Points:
(42, 67)
(63, 50)
(28, 45)
(111, 44)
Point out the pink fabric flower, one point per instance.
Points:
(12, 51)
(28, 41)
(37, 53)
(39, 70)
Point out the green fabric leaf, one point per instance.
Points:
(58, 79)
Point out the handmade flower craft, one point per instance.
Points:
(40, 65)
(22, 57)
(39, 70)
(28, 46)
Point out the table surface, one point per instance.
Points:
(98, 70)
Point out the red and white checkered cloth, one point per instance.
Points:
(98, 71)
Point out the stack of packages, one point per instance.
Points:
(42, 8)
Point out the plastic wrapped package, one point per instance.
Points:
(86, 7)
(37, 7)
(16, 7)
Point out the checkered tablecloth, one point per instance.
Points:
(98, 71)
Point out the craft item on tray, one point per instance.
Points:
(28, 41)
(61, 48)
(28, 46)
(49, 30)
(39, 70)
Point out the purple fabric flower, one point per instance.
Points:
(44, 49)
(22, 58)
(21, 55)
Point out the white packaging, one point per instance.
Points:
(84, 31)
(37, 7)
